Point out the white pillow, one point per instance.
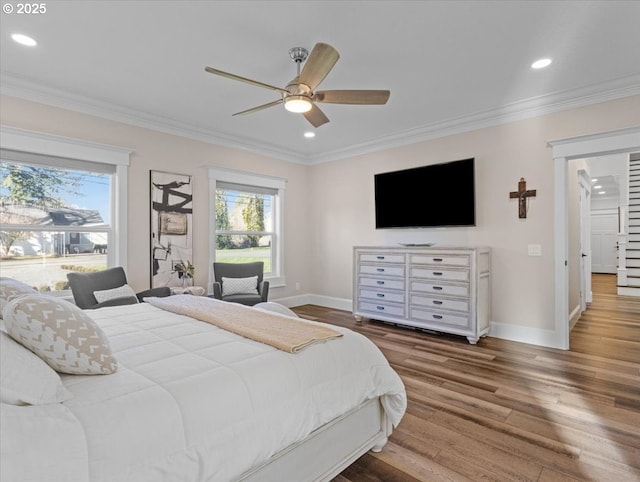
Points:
(234, 286)
(61, 334)
(11, 288)
(120, 292)
(25, 378)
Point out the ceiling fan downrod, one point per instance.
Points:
(298, 55)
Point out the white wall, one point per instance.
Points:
(324, 218)
(523, 289)
(153, 150)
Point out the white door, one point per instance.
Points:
(604, 239)
(584, 192)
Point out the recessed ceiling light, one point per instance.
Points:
(595, 179)
(24, 40)
(309, 134)
(597, 187)
(602, 192)
(541, 64)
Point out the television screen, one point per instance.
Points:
(429, 196)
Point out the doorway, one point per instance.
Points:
(613, 142)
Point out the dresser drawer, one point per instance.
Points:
(446, 260)
(380, 295)
(381, 258)
(440, 288)
(392, 284)
(443, 274)
(441, 303)
(442, 318)
(382, 308)
(390, 270)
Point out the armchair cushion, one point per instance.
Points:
(120, 292)
(232, 286)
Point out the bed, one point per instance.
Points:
(191, 401)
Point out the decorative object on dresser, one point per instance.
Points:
(446, 289)
(171, 225)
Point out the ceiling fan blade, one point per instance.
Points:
(364, 97)
(221, 73)
(315, 116)
(320, 61)
(260, 107)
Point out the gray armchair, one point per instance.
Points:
(84, 284)
(255, 294)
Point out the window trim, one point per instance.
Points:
(41, 143)
(221, 174)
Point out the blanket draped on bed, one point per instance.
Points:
(286, 334)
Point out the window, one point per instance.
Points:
(58, 214)
(247, 220)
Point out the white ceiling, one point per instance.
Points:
(450, 66)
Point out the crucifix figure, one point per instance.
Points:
(522, 194)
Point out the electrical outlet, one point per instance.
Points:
(297, 286)
(534, 250)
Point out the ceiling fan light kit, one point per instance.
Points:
(297, 103)
(299, 95)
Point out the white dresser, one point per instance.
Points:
(446, 289)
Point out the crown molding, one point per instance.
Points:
(525, 109)
(15, 86)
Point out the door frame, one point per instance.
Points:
(563, 150)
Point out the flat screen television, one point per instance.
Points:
(435, 195)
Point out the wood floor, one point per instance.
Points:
(503, 410)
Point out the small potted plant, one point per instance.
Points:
(185, 271)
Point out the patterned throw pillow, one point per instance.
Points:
(234, 286)
(61, 334)
(11, 288)
(25, 378)
(120, 292)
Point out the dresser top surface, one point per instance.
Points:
(422, 248)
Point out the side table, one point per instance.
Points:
(189, 290)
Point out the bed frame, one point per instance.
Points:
(330, 449)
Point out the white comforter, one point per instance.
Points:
(190, 402)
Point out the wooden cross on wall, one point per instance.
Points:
(522, 194)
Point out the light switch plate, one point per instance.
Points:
(534, 250)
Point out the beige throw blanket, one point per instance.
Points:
(287, 334)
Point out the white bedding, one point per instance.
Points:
(190, 402)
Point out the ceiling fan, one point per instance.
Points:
(300, 95)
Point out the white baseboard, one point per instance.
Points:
(574, 317)
(525, 334)
(311, 299)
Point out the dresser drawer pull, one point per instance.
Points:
(379, 307)
(380, 257)
(380, 282)
(437, 302)
(437, 260)
(437, 273)
(437, 317)
(437, 288)
(380, 295)
(380, 270)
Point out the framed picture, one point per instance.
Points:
(171, 225)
